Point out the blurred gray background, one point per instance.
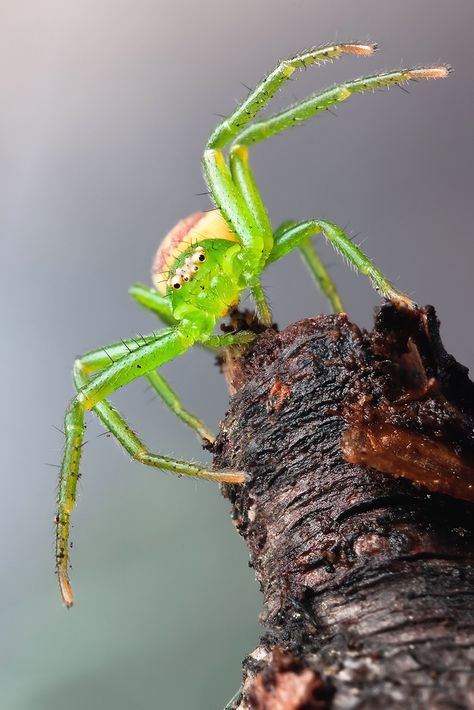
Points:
(105, 109)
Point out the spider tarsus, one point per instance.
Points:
(65, 588)
(436, 72)
(363, 49)
(237, 477)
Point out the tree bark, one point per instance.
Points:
(367, 577)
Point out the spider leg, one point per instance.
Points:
(243, 337)
(102, 358)
(241, 220)
(244, 181)
(236, 195)
(153, 301)
(234, 209)
(297, 234)
(294, 115)
(146, 356)
(321, 276)
(258, 131)
(170, 398)
(99, 359)
(315, 266)
(264, 91)
(91, 395)
(235, 192)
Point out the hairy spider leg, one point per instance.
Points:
(243, 337)
(244, 180)
(295, 235)
(321, 276)
(166, 345)
(266, 89)
(169, 396)
(234, 191)
(240, 219)
(245, 184)
(234, 209)
(243, 135)
(294, 115)
(153, 301)
(99, 359)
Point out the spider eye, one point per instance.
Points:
(191, 267)
(176, 283)
(184, 274)
(199, 256)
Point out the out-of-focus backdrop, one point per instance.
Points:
(105, 107)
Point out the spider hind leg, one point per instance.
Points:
(295, 235)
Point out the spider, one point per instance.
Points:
(200, 270)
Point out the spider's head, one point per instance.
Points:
(193, 264)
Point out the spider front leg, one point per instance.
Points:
(301, 111)
(244, 222)
(267, 88)
(153, 301)
(91, 395)
(244, 180)
(298, 234)
(234, 190)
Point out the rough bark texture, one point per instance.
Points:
(367, 578)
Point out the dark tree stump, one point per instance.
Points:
(367, 577)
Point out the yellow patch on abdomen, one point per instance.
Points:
(188, 232)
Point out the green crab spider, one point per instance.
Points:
(200, 271)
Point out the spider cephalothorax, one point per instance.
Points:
(200, 270)
(197, 266)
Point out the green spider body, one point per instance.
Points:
(200, 271)
(203, 248)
